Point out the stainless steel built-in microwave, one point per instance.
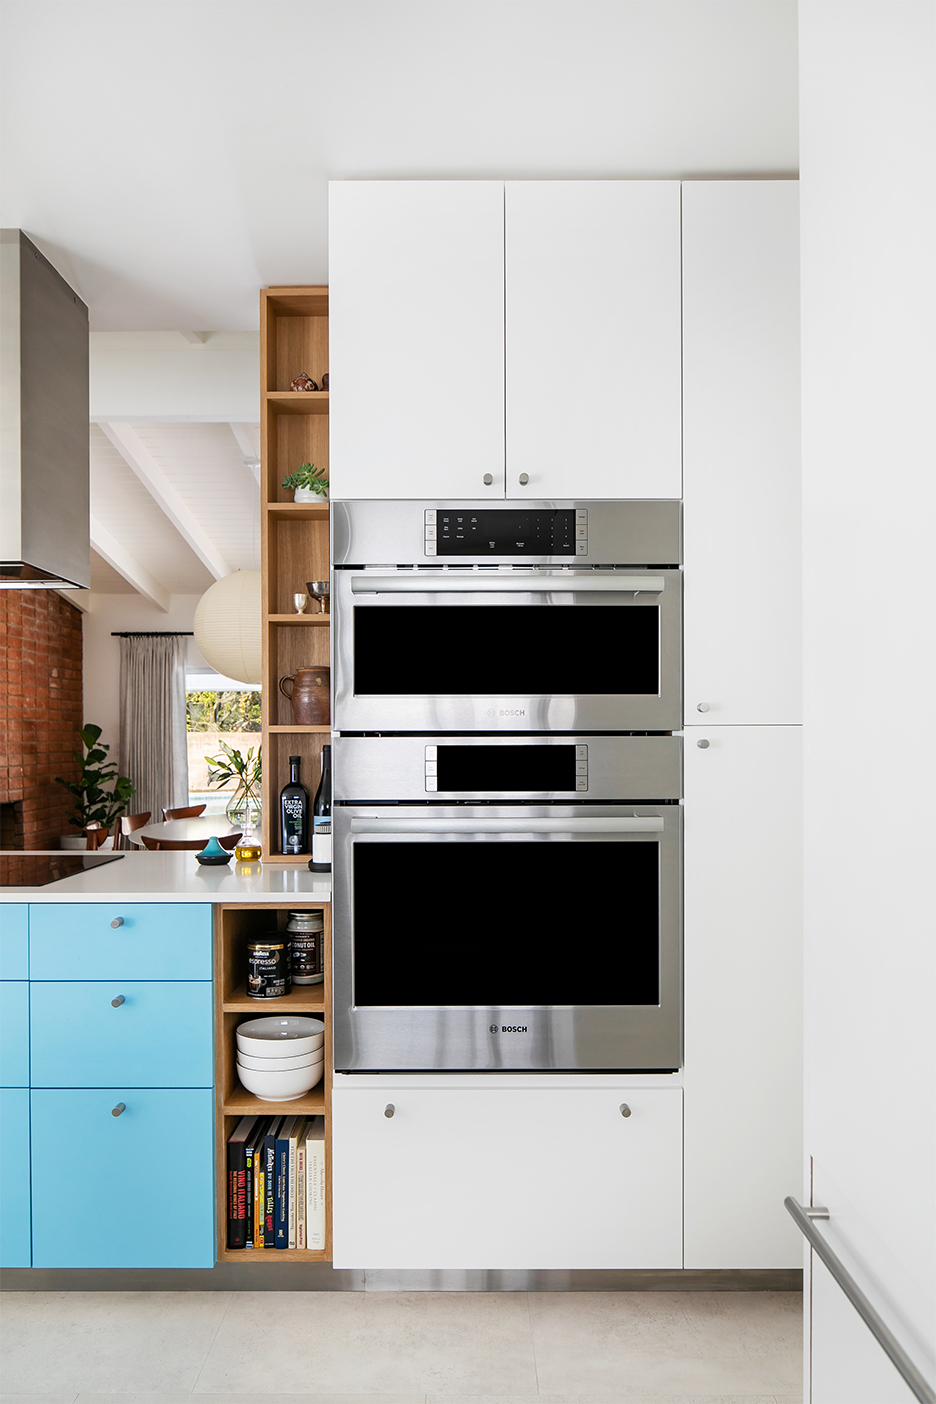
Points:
(545, 616)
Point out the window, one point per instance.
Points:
(218, 710)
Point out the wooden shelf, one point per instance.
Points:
(279, 1255)
(301, 1000)
(297, 401)
(302, 730)
(244, 1103)
(298, 511)
(296, 859)
(321, 621)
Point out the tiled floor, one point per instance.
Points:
(403, 1347)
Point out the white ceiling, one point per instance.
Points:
(172, 158)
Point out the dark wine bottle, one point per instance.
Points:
(321, 819)
(294, 812)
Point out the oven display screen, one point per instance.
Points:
(482, 924)
(506, 533)
(474, 769)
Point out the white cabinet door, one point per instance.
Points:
(507, 1178)
(416, 338)
(593, 338)
(743, 995)
(741, 452)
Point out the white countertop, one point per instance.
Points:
(177, 877)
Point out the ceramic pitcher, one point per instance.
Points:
(309, 694)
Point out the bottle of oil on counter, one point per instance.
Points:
(294, 812)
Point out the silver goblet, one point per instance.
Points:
(319, 590)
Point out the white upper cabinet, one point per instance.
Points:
(593, 339)
(741, 453)
(416, 338)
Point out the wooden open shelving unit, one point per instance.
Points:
(295, 546)
(235, 926)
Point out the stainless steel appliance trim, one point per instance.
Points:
(651, 824)
(879, 1329)
(481, 583)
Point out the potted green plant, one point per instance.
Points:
(309, 483)
(101, 794)
(244, 767)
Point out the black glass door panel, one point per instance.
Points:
(481, 924)
(506, 650)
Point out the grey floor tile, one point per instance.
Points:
(69, 1342)
(372, 1343)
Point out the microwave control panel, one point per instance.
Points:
(500, 532)
(474, 769)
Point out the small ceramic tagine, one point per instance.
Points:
(213, 855)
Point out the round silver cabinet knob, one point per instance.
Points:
(488, 479)
(118, 921)
(625, 1109)
(121, 999)
(702, 706)
(389, 1109)
(120, 1107)
(524, 479)
(703, 745)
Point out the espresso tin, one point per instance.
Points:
(306, 932)
(267, 969)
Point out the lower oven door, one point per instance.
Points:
(508, 937)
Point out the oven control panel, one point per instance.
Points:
(505, 531)
(524, 769)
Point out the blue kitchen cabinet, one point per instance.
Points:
(122, 1191)
(149, 1033)
(14, 941)
(120, 941)
(14, 1033)
(14, 1178)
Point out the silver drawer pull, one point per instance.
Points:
(120, 1107)
(118, 921)
(116, 1003)
(703, 745)
(524, 479)
(488, 479)
(482, 583)
(625, 1109)
(388, 1110)
(428, 824)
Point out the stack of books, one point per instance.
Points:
(276, 1182)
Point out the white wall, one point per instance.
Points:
(868, 236)
(158, 375)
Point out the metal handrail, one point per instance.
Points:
(882, 1333)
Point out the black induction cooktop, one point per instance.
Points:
(39, 869)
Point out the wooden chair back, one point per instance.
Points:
(127, 826)
(191, 811)
(189, 845)
(95, 835)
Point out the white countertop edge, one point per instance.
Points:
(176, 877)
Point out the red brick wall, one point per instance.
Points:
(40, 710)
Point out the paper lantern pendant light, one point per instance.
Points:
(228, 626)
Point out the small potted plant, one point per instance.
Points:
(246, 769)
(101, 795)
(309, 483)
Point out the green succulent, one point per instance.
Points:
(308, 476)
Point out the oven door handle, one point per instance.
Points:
(650, 824)
(420, 584)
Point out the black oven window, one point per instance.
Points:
(507, 650)
(481, 924)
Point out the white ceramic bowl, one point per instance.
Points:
(280, 1036)
(280, 1086)
(305, 1060)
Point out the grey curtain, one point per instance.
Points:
(153, 742)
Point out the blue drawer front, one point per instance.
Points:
(14, 1033)
(155, 941)
(161, 1036)
(15, 1248)
(14, 941)
(136, 1190)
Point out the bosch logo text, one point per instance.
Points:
(508, 1028)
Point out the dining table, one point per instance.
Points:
(194, 833)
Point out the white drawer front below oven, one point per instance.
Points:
(507, 1178)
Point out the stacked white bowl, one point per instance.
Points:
(282, 1057)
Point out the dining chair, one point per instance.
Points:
(229, 841)
(128, 825)
(191, 811)
(95, 834)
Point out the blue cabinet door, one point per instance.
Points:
(14, 941)
(159, 1034)
(15, 1248)
(120, 941)
(127, 1191)
(14, 1033)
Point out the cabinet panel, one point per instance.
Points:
(743, 995)
(159, 1036)
(742, 454)
(592, 290)
(153, 941)
(15, 1249)
(135, 1190)
(416, 303)
(507, 1178)
(14, 1033)
(14, 941)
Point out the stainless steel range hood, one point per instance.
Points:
(44, 441)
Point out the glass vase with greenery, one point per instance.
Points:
(100, 794)
(245, 769)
